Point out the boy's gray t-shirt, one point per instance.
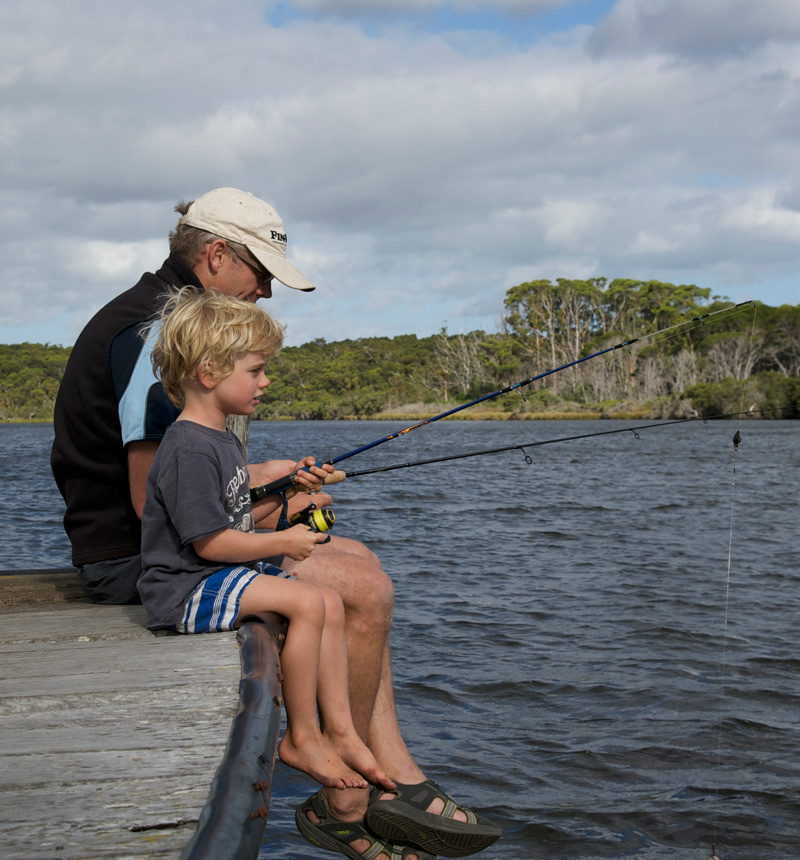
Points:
(198, 484)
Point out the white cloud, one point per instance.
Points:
(357, 8)
(758, 215)
(101, 260)
(700, 28)
(566, 223)
(647, 242)
(419, 177)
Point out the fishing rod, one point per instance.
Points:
(635, 430)
(282, 484)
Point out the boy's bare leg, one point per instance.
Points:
(384, 733)
(303, 746)
(355, 574)
(333, 697)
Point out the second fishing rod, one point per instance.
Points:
(281, 484)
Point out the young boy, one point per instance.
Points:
(200, 551)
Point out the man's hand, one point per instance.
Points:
(271, 470)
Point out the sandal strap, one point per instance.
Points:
(389, 849)
(319, 805)
(451, 808)
(375, 850)
(350, 831)
(421, 795)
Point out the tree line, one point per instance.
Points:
(30, 374)
(748, 358)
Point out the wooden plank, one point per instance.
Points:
(21, 588)
(111, 735)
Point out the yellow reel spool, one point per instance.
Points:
(317, 519)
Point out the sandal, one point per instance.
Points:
(335, 835)
(404, 818)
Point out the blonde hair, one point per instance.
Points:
(211, 330)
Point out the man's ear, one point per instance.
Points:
(216, 255)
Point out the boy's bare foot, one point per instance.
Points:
(317, 757)
(354, 752)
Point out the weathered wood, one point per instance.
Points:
(233, 819)
(18, 588)
(110, 735)
(239, 425)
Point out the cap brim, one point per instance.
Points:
(282, 269)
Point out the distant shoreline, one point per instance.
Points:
(489, 416)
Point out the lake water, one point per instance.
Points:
(597, 649)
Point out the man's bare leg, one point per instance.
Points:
(385, 738)
(352, 570)
(387, 745)
(356, 574)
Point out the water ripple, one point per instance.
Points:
(568, 658)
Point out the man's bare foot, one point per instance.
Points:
(354, 752)
(317, 757)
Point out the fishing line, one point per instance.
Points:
(737, 438)
(724, 659)
(282, 484)
(634, 430)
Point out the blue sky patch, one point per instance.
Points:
(520, 28)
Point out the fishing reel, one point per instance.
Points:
(317, 519)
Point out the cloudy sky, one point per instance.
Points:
(425, 155)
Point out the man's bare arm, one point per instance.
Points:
(140, 459)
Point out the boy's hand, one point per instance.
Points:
(300, 541)
(310, 477)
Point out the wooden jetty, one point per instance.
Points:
(118, 743)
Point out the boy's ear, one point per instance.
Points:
(205, 375)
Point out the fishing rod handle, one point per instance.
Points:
(279, 485)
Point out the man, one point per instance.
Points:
(110, 416)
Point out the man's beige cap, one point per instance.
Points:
(240, 216)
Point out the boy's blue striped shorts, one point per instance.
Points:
(213, 606)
